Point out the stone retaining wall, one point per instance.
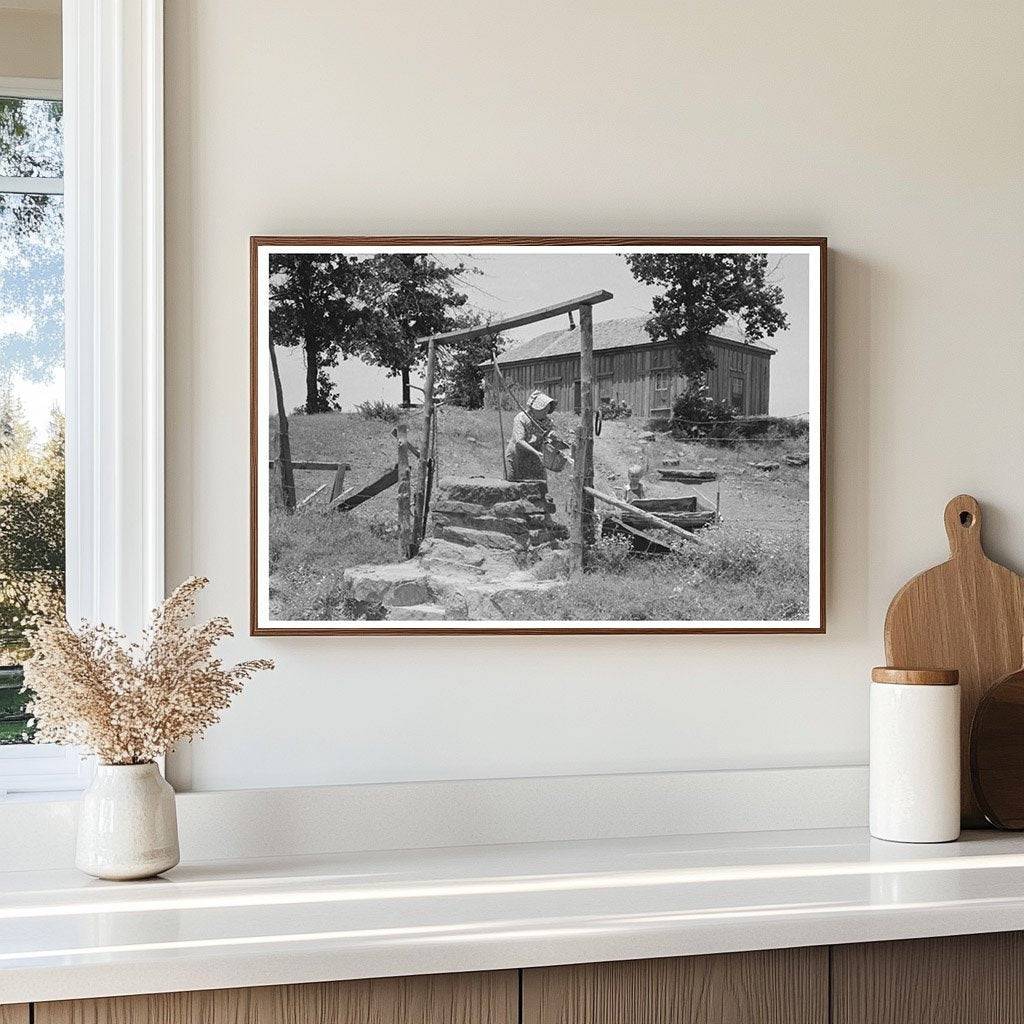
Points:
(504, 515)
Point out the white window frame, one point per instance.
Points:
(114, 323)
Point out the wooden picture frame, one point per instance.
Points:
(412, 491)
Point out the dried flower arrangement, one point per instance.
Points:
(129, 703)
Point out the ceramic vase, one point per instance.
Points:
(127, 825)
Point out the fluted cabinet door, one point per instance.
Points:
(777, 986)
(961, 979)
(490, 998)
(14, 1013)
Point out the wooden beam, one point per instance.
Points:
(309, 497)
(509, 322)
(581, 518)
(501, 419)
(405, 535)
(650, 517)
(284, 448)
(576, 505)
(587, 422)
(329, 467)
(371, 490)
(338, 483)
(420, 516)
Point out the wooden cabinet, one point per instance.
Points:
(777, 986)
(491, 998)
(970, 979)
(963, 979)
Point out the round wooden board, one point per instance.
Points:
(997, 752)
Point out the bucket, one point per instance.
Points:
(554, 460)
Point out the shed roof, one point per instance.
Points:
(609, 334)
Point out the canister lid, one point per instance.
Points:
(916, 676)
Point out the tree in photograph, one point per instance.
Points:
(31, 526)
(462, 368)
(313, 306)
(702, 290)
(406, 296)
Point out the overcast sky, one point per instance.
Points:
(516, 282)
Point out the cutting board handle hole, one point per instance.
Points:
(966, 519)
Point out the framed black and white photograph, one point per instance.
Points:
(537, 435)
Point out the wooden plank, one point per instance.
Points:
(338, 483)
(325, 466)
(678, 503)
(960, 979)
(521, 320)
(14, 1013)
(371, 490)
(643, 543)
(648, 517)
(688, 476)
(687, 520)
(309, 497)
(479, 998)
(779, 986)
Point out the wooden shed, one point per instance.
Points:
(631, 368)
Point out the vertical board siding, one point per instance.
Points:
(627, 375)
(962, 979)
(479, 998)
(778, 986)
(14, 1013)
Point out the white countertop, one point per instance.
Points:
(261, 922)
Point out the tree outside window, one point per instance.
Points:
(31, 386)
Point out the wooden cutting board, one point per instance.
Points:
(967, 614)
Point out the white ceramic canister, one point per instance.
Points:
(915, 755)
(127, 825)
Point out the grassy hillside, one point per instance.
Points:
(756, 564)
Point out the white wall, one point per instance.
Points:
(895, 129)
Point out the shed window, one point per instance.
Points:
(661, 390)
(737, 392)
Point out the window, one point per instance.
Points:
(32, 514)
(112, 162)
(737, 390)
(661, 391)
(31, 383)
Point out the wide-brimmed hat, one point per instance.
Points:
(541, 403)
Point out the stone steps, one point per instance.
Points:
(494, 554)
